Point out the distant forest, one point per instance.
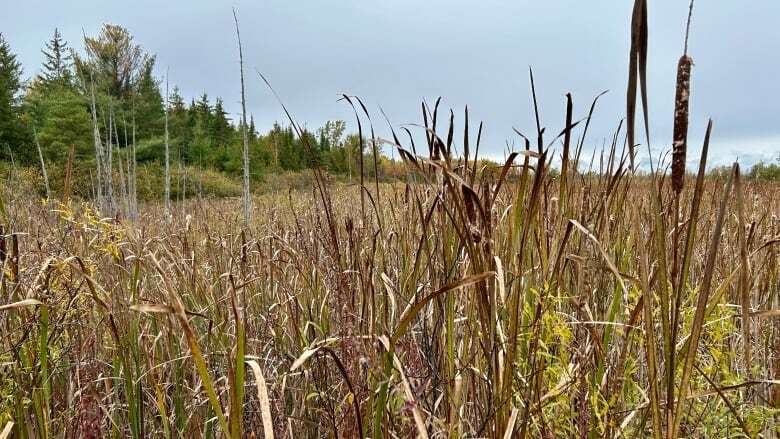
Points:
(53, 110)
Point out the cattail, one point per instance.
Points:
(680, 140)
(682, 97)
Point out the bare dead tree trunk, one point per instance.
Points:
(134, 191)
(68, 174)
(183, 185)
(92, 185)
(128, 160)
(98, 150)
(43, 164)
(110, 163)
(167, 154)
(179, 181)
(125, 206)
(246, 200)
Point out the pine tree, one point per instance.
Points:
(178, 117)
(221, 130)
(149, 110)
(202, 109)
(60, 115)
(54, 107)
(56, 67)
(13, 133)
(252, 129)
(197, 141)
(176, 102)
(114, 61)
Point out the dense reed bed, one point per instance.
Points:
(464, 301)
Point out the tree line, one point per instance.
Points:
(108, 95)
(115, 75)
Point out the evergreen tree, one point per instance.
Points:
(195, 141)
(58, 61)
(178, 118)
(54, 107)
(289, 151)
(221, 131)
(252, 129)
(307, 146)
(55, 104)
(148, 102)
(13, 133)
(114, 62)
(123, 76)
(202, 109)
(61, 117)
(176, 102)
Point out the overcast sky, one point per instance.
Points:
(395, 53)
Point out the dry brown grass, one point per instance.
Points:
(464, 300)
(470, 311)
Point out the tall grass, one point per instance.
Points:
(464, 300)
(483, 306)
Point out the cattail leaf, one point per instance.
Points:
(510, 426)
(412, 310)
(262, 397)
(422, 431)
(504, 171)
(21, 304)
(765, 314)
(701, 303)
(307, 353)
(6, 433)
(466, 141)
(603, 252)
(637, 74)
(152, 308)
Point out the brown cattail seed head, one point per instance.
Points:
(680, 139)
